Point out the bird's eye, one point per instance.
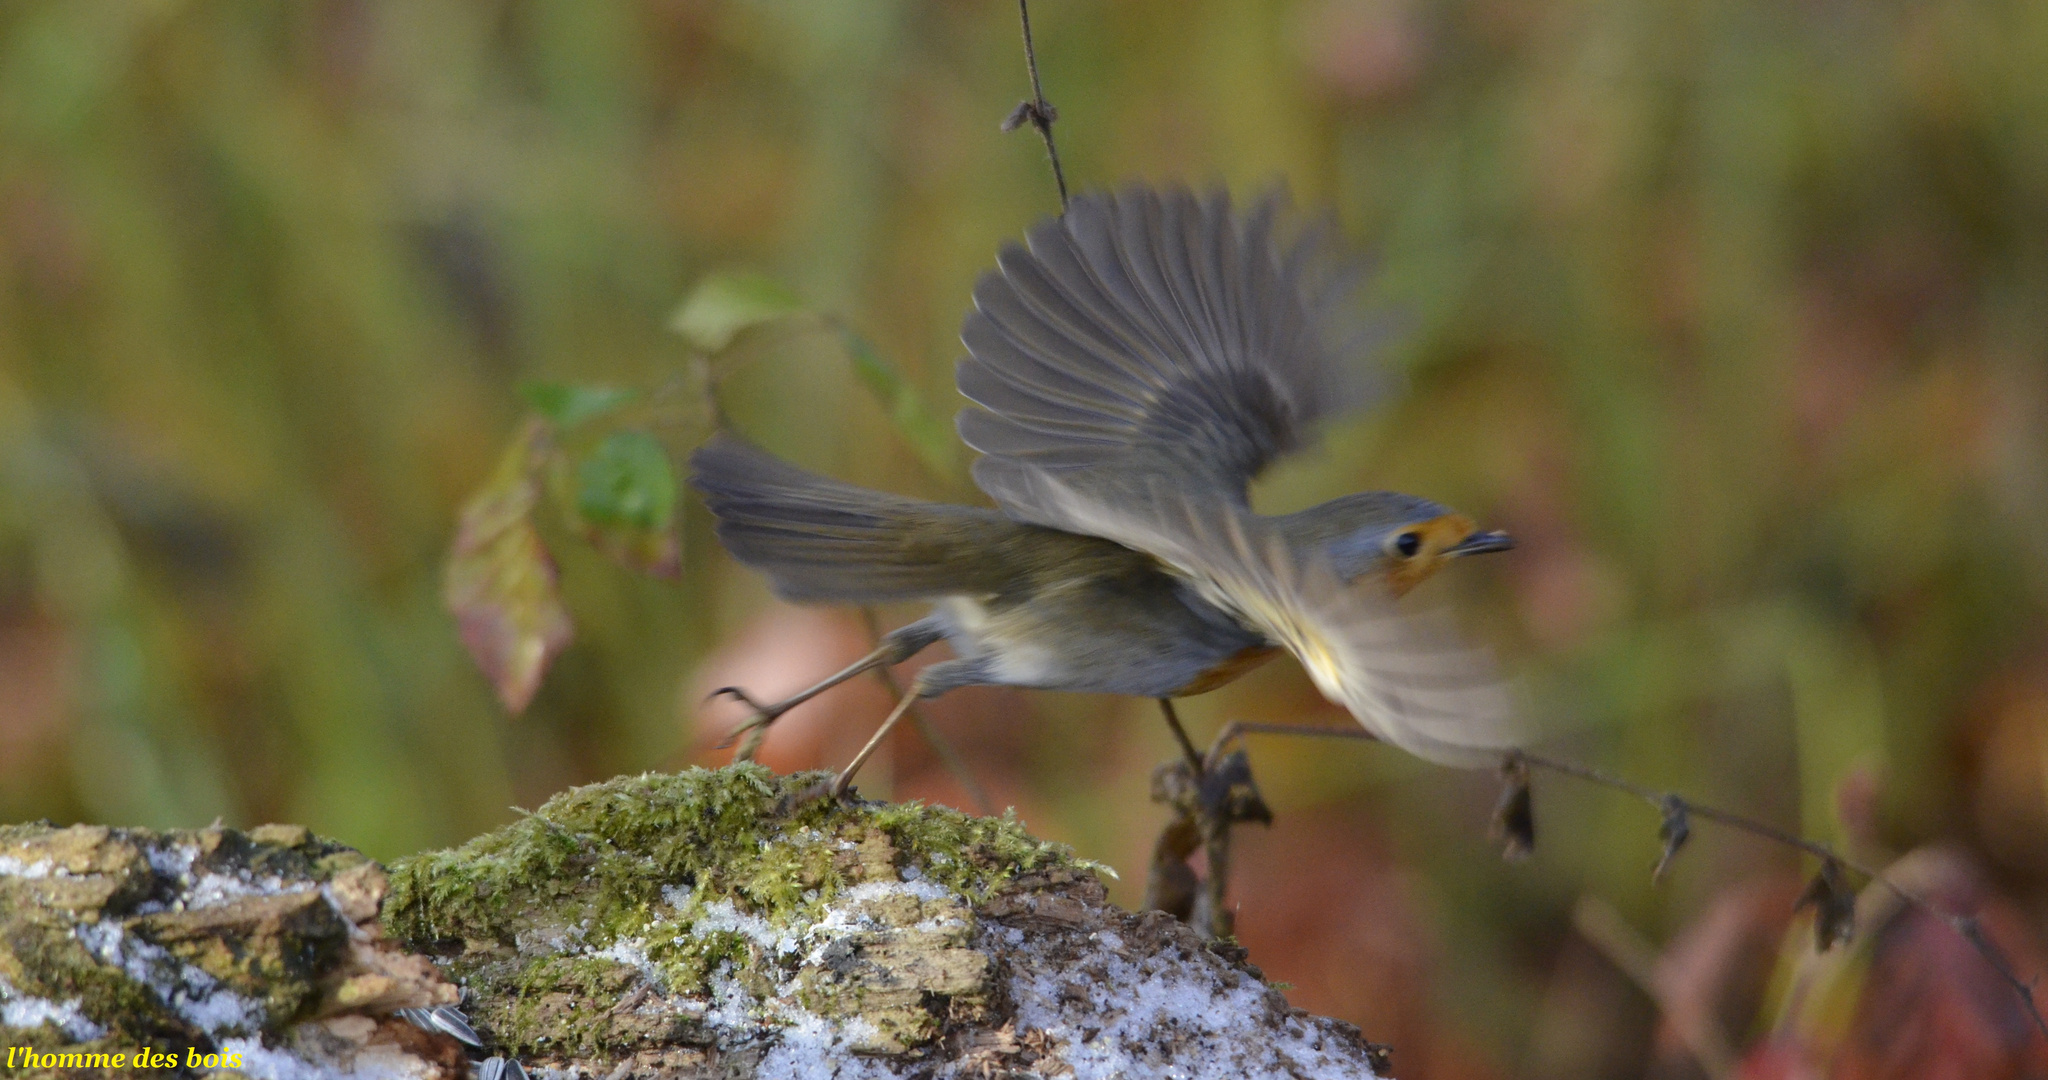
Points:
(1408, 544)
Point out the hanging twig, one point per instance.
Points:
(1209, 798)
(1037, 111)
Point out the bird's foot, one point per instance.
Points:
(833, 789)
(751, 733)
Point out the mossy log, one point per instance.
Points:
(709, 924)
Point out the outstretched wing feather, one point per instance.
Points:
(1161, 334)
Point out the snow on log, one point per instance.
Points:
(713, 923)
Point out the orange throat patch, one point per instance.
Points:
(1439, 534)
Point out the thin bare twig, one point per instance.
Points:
(1237, 729)
(1037, 112)
(948, 756)
(1965, 926)
(1671, 804)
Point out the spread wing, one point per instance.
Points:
(1157, 334)
(1406, 676)
(1136, 366)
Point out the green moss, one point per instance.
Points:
(971, 855)
(643, 867)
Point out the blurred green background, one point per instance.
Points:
(1734, 311)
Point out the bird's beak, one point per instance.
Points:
(1480, 543)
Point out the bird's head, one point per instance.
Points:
(1402, 538)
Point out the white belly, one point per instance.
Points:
(1014, 659)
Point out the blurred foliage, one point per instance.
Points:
(1731, 310)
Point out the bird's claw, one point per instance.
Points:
(738, 695)
(818, 792)
(763, 715)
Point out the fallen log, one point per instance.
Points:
(712, 923)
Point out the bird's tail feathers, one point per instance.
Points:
(821, 540)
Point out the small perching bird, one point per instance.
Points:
(1132, 370)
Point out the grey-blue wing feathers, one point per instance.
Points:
(1160, 333)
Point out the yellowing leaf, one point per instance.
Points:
(724, 304)
(500, 583)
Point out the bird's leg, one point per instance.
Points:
(1180, 735)
(756, 727)
(931, 682)
(1237, 729)
(940, 745)
(845, 778)
(897, 646)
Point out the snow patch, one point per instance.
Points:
(190, 992)
(173, 860)
(631, 952)
(261, 1062)
(41, 868)
(1115, 1016)
(814, 1048)
(215, 890)
(850, 914)
(722, 915)
(19, 1010)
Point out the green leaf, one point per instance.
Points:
(929, 436)
(501, 584)
(566, 405)
(626, 503)
(726, 303)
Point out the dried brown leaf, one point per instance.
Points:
(1514, 816)
(1675, 831)
(1834, 906)
(500, 583)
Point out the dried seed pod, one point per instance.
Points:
(1834, 906)
(1230, 795)
(1514, 816)
(1028, 112)
(1675, 831)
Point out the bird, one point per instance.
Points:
(1130, 369)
